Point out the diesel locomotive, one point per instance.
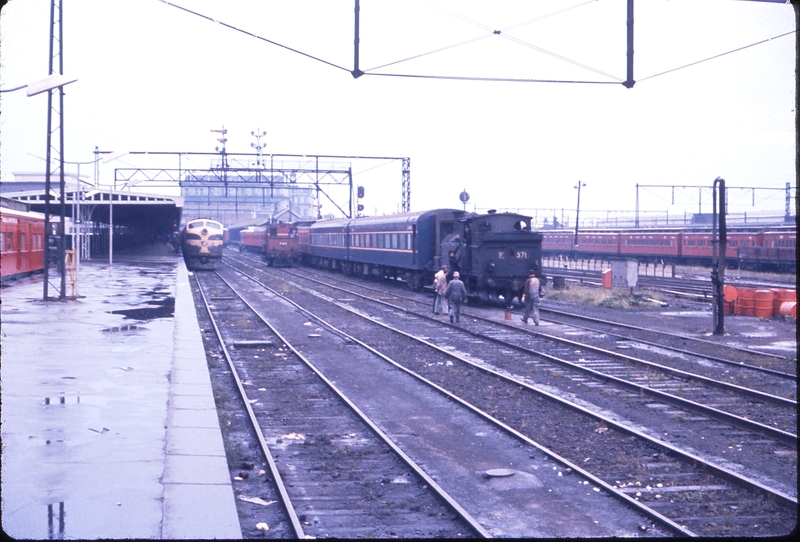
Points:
(492, 252)
(202, 242)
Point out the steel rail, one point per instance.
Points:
(286, 501)
(722, 471)
(494, 421)
(674, 349)
(664, 446)
(466, 516)
(783, 436)
(659, 332)
(680, 350)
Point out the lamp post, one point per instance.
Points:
(48, 84)
(77, 235)
(577, 214)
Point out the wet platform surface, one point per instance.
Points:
(109, 427)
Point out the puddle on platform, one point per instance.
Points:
(165, 308)
(120, 329)
(686, 313)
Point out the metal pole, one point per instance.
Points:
(111, 222)
(356, 71)
(719, 248)
(629, 82)
(577, 214)
(46, 273)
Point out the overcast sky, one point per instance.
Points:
(153, 77)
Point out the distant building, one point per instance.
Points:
(263, 197)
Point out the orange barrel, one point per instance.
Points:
(763, 304)
(745, 302)
(727, 307)
(508, 315)
(607, 278)
(790, 295)
(730, 293)
(789, 308)
(777, 299)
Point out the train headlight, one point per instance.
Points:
(491, 267)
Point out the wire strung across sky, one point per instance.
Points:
(491, 32)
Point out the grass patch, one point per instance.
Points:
(600, 297)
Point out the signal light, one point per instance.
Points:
(360, 191)
(360, 207)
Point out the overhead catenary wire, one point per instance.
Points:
(640, 79)
(493, 32)
(206, 17)
(503, 33)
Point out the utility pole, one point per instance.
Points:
(720, 245)
(577, 213)
(224, 164)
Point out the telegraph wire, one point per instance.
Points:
(490, 30)
(717, 56)
(254, 35)
(495, 79)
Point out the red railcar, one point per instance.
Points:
(21, 243)
(777, 251)
(650, 244)
(558, 241)
(282, 245)
(253, 239)
(598, 242)
(699, 246)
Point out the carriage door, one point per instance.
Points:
(414, 245)
(445, 228)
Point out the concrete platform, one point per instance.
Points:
(109, 427)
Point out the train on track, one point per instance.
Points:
(492, 252)
(202, 242)
(772, 249)
(277, 243)
(21, 243)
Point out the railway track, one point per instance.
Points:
(333, 471)
(695, 288)
(516, 385)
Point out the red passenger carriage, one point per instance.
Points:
(21, 243)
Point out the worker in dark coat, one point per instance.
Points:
(531, 296)
(456, 294)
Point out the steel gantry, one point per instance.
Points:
(266, 171)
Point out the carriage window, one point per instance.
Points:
(394, 241)
(9, 241)
(22, 240)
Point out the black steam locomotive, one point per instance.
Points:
(493, 252)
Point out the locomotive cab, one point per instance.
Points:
(494, 254)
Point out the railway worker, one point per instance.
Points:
(531, 295)
(453, 262)
(456, 294)
(439, 287)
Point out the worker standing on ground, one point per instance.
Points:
(455, 294)
(439, 287)
(531, 296)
